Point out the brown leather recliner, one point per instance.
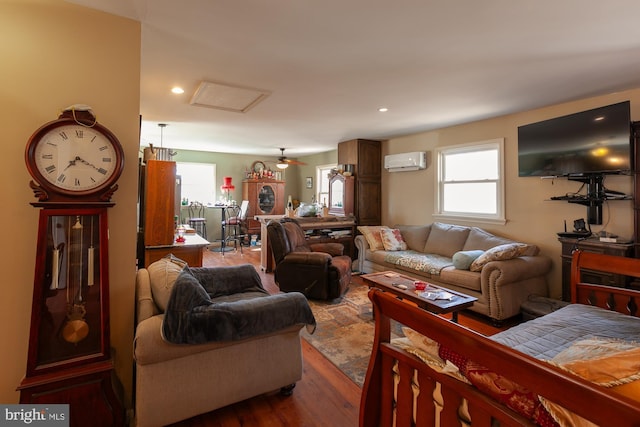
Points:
(318, 270)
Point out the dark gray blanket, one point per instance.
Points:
(226, 304)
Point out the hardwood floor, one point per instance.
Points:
(323, 397)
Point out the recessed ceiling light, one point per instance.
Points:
(177, 90)
(383, 109)
(598, 119)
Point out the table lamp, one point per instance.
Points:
(227, 186)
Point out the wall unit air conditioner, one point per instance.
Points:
(405, 162)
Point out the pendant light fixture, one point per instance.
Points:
(161, 126)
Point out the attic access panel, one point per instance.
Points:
(227, 97)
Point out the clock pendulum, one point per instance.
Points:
(58, 277)
(90, 258)
(76, 328)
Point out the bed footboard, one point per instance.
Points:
(622, 300)
(398, 388)
(408, 384)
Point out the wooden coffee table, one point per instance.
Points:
(392, 282)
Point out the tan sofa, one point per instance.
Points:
(178, 381)
(508, 271)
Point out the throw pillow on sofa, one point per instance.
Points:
(499, 253)
(462, 260)
(162, 276)
(372, 234)
(392, 240)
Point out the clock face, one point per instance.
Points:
(258, 166)
(75, 158)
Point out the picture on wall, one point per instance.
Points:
(309, 182)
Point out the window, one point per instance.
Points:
(470, 181)
(322, 180)
(198, 182)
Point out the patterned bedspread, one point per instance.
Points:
(575, 332)
(546, 336)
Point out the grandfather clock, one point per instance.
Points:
(75, 163)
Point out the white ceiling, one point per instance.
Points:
(330, 64)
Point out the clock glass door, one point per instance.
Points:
(69, 312)
(336, 195)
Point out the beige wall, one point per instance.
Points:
(57, 55)
(408, 197)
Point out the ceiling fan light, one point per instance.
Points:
(282, 165)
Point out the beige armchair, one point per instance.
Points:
(178, 381)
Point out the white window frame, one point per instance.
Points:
(442, 152)
(207, 183)
(320, 191)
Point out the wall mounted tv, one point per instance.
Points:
(596, 141)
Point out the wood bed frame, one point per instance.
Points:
(383, 402)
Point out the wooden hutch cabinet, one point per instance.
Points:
(595, 246)
(266, 197)
(158, 208)
(366, 157)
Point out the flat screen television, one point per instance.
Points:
(596, 141)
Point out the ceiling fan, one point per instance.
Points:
(284, 163)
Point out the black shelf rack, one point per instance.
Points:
(595, 197)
